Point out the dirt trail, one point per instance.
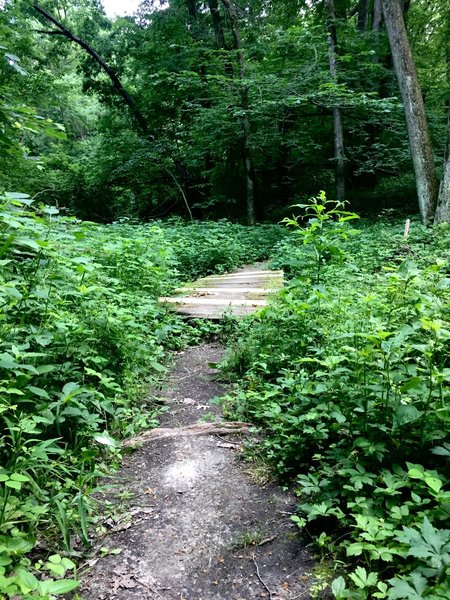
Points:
(195, 513)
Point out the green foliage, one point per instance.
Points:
(81, 337)
(349, 381)
(216, 247)
(187, 91)
(327, 227)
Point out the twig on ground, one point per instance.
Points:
(267, 540)
(225, 428)
(148, 587)
(260, 579)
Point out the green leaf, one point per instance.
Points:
(443, 414)
(106, 440)
(412, 588)
(434, 483)
(56, 588)
(55, 559)
(355, 549)
(363, 580)
(406, 413)
(27, 579)
(20, 477)
(15, 485)
(38, 392)
(58, 570)
(338, 588)
(415, 471)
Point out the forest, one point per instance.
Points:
(192, 137)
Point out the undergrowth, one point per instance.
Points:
(347, 373)
(81, 338)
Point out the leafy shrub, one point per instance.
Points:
(81, 335)
(349, 381)
(202, 248)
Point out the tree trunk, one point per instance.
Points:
(338, 129)
(377, 16)
(416, 120)
(363, 15)
(443, 207)
(217, 23)
(246, 154)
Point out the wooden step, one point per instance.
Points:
(239, 293)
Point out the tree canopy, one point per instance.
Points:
(192, 106)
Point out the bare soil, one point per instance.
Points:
(198, 528)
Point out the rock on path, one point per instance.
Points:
(195, 513)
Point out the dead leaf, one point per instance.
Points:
(188, 401)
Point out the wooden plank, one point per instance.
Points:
(229, 290)
(239, 293)
(214, 301)
(239, 276)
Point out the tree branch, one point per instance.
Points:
(53, 32)
(62, 30)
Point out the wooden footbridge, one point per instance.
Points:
(238, 293)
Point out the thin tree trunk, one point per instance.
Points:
(62, 30)
(377, 16)
(416, 120)
(338, 128)
(246, 154)
(363, 15)
(217, 23)
(443, 207)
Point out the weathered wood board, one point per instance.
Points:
(239, 293)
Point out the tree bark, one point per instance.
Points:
(443, 207)
(62, 30)
(246, 153)
(363, 15)
(338, 128)
(415, 116)
(377, 16)
(217, 23)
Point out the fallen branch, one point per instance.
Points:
(146, 586)
(261, 580)
(267, 540)
(225, 428)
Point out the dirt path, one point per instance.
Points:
(199, 528)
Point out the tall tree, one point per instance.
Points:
(243, 91)
(338, 127)
(443, 206)
(413, 105)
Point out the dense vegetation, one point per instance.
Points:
(82, 337)
(214, 106)
(115, 136)
(347, 373)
